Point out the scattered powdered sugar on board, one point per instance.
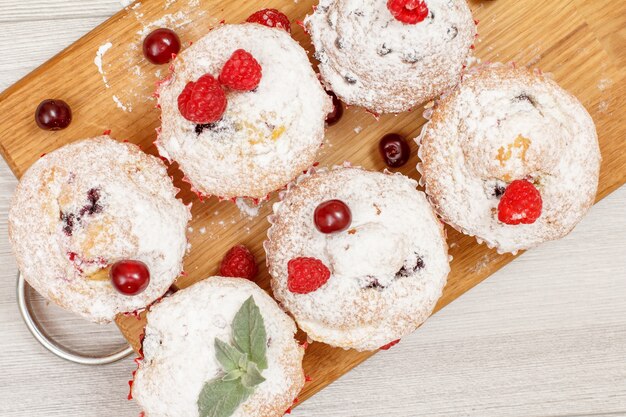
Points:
(175, 20)
(603, 106)
(140, 86)
(126, 107)
(604, 84)
(249, 210)
(98, 60)
(141, 75)
(483, 263)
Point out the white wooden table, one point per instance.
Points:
(545, 336)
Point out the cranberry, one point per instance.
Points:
(335, 115)
(130, 277)
(68, 220)
(93, 195)
(161, 45)
(332, 216)
(394, 150)
(53, 115)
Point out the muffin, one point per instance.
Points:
(357, 257)
(88, 206)
(510, 157)
(380, 55)
(273, 122)
(183, 371)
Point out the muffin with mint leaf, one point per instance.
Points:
(219, 348)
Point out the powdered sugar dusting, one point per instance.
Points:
(175, 20)
(99, 62)
(249, 210)
(143, 75)
(603, 106)
(605, 84)
(102, 49)
(120, 105)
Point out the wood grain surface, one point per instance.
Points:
(582, 56)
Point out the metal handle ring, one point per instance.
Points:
(35, 328)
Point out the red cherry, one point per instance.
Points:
(130, 277)
(161, 45)
(53, 115)
(394, 150)
(332, 216)
(335, 115)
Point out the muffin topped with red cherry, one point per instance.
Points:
(357, 257)
(510, 157)
(391, 55)
(96, 228)
(243, 111)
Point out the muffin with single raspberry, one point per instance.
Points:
(96, 228)
(357, 257)
(243, 111)
(221, 347)
(390, 55)
(510, 157)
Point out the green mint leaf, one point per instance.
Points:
(243, 362)
(233, 375)
(229, 357)
(252, 377)
(249, 333)
(220, 398)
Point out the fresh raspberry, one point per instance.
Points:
(520, 203)
(202, 101)
(271, 18)
(389, 345)
(408, 11)
(239, 262)
(241, 72)
(306, 275)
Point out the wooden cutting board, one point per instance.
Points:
(583, 43)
